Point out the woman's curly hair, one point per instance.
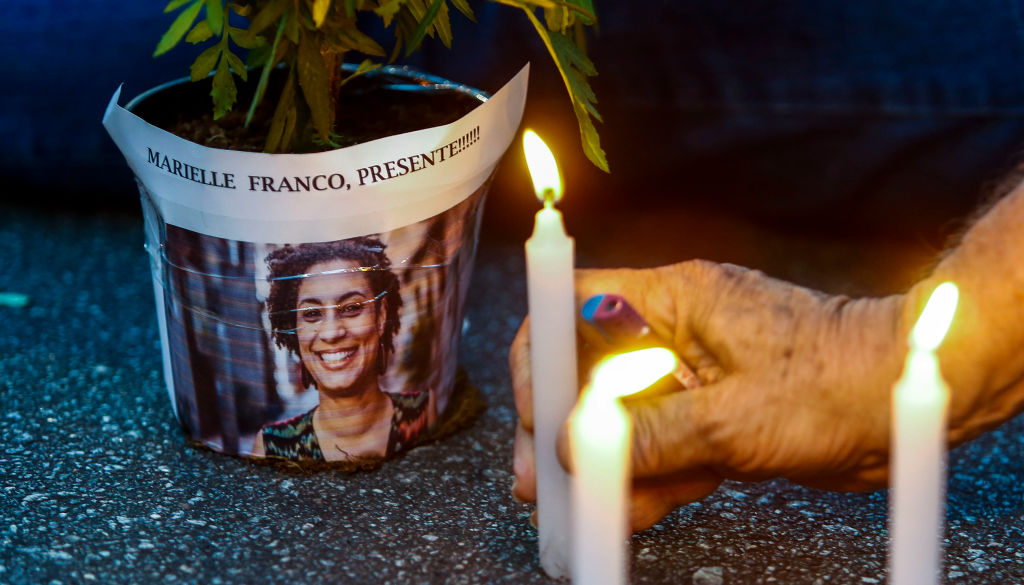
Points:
(290, 264)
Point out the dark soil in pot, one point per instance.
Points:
(371, 106)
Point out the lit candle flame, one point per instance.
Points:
(629, 373)
(547, 183)
(936, 317)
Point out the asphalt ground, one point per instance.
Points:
(98, 485)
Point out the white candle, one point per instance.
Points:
(552, 305)
(600, 436)
(918, 457)
(601, 431)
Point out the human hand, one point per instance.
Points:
(795, 384)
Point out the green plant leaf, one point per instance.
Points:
(463, 7)
(355, 40)
(416, 8)
(313, 35)
(268, 64)
(284, 49)
(205, 62)
(586, 94)
(178, 28)
(571, 56)
(291, 28)
(591, 141)
(224, 91)
(257, 57)
(421, 29)
(199, 33)
(283, 124)
(443, 25)
(575, 67)
(305, 18)
(388, 9)
(587, 5)
(405, 24)
(579, 34)
(365, 67)
(265, 17)
(245, 39)
(174, 5)
(557, 18)
(215, 15)
(236, 65)
(584, 9)
(320, 8)
(241, 9)
(396, 51)
(530, 4)
(315, 81)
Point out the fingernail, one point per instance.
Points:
(515, 484)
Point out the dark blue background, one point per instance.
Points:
(810, 112)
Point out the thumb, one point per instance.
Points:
(664, 304)
(636, 287)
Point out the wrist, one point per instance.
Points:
(980, 357)
(874, 339)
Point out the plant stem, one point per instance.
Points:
(265, 75)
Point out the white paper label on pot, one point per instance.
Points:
(369, 188)
(290, 319)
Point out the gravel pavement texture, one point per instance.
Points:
(97, 484)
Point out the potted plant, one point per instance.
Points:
(310, 267)
(310, 39)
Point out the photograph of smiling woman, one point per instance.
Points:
(335, 306)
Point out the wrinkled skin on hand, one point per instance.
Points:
(796, 384)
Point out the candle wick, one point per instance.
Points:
(549, 198)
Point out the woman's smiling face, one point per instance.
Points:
(338, 327)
